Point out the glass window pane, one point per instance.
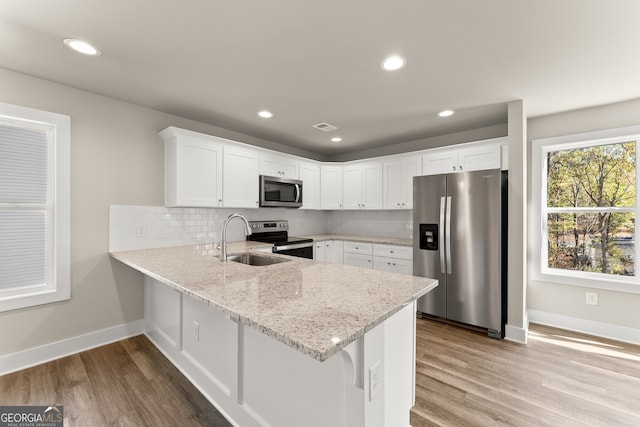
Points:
(598, 242)
(597, 176)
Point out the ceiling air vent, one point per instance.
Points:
(325, 127)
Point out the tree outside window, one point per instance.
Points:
(590, 208)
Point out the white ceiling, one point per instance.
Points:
(219, 62)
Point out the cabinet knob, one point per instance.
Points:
(460, 167)
(391, 251)
(454, 168)
(368, 260)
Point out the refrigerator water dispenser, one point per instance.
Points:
(429, 237)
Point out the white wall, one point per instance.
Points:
(616, 311)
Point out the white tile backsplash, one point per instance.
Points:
(143, 227)
(388, 223)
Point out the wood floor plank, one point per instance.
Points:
(559, 378)
(463, 378)
(128, 383)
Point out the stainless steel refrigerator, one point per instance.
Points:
(459, 223)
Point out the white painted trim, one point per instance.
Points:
(515, 334)
(37, 355)
(591, 327)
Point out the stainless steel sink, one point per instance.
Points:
(249, 258)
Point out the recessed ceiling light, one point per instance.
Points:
(393, 62)
(81, 47)
(336, 139)
(265, 114)
(446, 113)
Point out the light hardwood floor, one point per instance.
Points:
(559, 378)
(463, 378)
(127, 383)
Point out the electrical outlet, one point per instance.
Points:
(375, 380)
(196, 331)
(592, 298)
(141, 231)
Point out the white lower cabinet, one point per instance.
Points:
(392, 258)
(162, 311)
(358, 254)
(256, 381)
(328, 251)
(393, 265)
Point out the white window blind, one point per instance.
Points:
(34, 207)
(23, 239)
(24, 165)
(24, 195)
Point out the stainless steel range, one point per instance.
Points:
(277, 232)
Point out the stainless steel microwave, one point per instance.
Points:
(280, 192)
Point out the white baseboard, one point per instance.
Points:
(516, 334)
(598, 329)
(35, 356)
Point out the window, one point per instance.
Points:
(584, 195)
(34, 207)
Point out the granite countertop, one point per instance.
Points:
(363, 239)
(314, 307)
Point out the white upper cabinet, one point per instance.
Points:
(480, 158)
(352, 186)
(397, 181)
(441, 161)
(240, 177)
(310, 177)
(362, 185)
(193, 169)
(330, 187)
(372, 185)
(462, 159)
(208, 171)
(280, 166)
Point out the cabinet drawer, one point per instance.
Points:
(392, 251)
(358, 260)
(358, 248)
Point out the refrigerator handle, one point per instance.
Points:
(441, 235)
(448, 235)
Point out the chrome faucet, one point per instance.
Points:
(223, 244)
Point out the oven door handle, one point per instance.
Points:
(294, 246)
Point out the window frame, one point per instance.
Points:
(538, 226)
(58, 282)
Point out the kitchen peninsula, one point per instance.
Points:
(294, 343)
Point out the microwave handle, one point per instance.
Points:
(297, 193)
